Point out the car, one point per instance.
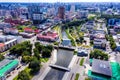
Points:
(8, 75)
(18, 67)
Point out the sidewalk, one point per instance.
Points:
(16, 72)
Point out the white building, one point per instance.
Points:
(3, 25)
(37, 16)
(9, 41)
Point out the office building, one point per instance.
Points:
(61, 12)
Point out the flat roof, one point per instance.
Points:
(8, 64)
(101, 67)
(10, 41)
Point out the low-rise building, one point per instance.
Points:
(7, 42)
(2, 47)
(117, 28)
(12, 31)
(82, 52)
(48, 36)
(100, 43)
(99, 34)
(26, 35)
(4, 25)
(112, 32)
(6, 66)
(66, 42)
(112, 22)
(28, 30)
(101, 70)
(90, 25)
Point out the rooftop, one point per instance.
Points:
(2, 44)
(6, 65)
(101, 67)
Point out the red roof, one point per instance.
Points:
(28, 29)
(49, 35)
(2, 45)
(37, 31)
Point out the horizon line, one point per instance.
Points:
(61, 2)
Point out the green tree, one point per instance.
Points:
(26, 59)
(23, 48)
(34, 65)
(1, 57)
(23, 75)
(98, 54)
(36, 53)
(46, 53)
(39, 46)
(50, 47)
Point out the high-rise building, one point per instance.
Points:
(83, 14)
(61, 12)
(72, 9)
(37, 18)
(35, 14)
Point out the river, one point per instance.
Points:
(63, 59)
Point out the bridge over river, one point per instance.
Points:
(64, 57)
(59, 67)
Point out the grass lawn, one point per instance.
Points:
(71, 38)
(21, 30)
(86, 46)
(81, 34)
(81, 62)
(77, 76)
(58, 30)
(88, 79)
(55, 28)
(44, 60)
(79, 44)
(75, 52)
(91, 16)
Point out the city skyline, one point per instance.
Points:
(52, 1)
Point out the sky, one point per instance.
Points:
(59, 0)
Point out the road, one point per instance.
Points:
(76, 68)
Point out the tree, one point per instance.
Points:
(34, 65)
(36, 53)
(23, 75)
(98, 54)
(39, 46)
(23, 48)
(81, 39)
(50, 47)
(26, 59)
(112, 43)
(1, 57)
(46, 53)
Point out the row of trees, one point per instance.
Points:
(112, 42)
(106, 16)
(98, 54)
(73, 23)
